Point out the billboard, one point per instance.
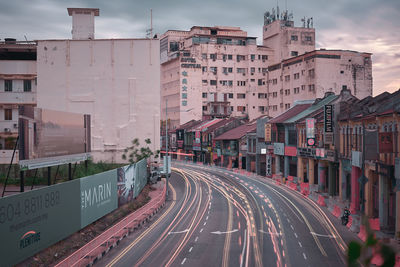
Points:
(268, 132)
(34, 220)
(328, 118)
(48, 133)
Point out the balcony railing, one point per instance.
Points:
(17, 97)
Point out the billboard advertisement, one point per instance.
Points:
(34, 220)
(49, 133)
(98, 194)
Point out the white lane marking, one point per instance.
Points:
(330, 236)
(179, 232)
(227, 232)
(295, 235)
(291, 226)
(285, 214)
(197, 238)
(270, 233)
(183, 262)
(304, 255)
(205, 223)
(207, 218)
(300, 244)
(190, 249)
(201, 230)
(244, 246)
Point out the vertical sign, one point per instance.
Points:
(310, 131)
(268, 169)
(328, 118)
(268, 132)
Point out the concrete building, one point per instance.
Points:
(315, 73)
(17, 87)
(212, 72)
(116, 81)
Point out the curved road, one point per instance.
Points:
(215, 217)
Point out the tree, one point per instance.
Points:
(136, 153)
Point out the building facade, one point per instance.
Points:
(116, 81)
(17, 87)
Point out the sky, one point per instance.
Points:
(362, 25)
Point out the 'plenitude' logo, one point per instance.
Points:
(29, 238)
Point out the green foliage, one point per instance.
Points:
(136, 153)
(361, 254)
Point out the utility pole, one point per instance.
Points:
(166, 143)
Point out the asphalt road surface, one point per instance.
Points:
(214, 217)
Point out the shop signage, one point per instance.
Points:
(268, 136)
(356, 159)
(290, 151)
(180, 137)
(328, 138)
(328, 118)
(279, 149)
(263, 151)
(316, 153)
(310, 131)
(189, 62)
(268, 167)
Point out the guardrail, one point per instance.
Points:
(100, 245)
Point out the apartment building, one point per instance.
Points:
(212, 72)
(315, 73)
(17, 87)
(216, 72)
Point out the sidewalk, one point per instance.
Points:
(99, 246)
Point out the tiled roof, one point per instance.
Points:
(290, 113)
(237, 132)
(204, 124)
(211, 128)
(189, 124)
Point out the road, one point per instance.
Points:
(215, 217)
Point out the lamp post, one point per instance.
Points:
(166, 144)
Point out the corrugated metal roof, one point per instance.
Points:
(210, 128)
(205, 124)
(237, 132)
(189, 124)
(289, 113)
(312, 109)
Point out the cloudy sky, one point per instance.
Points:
(362, 25)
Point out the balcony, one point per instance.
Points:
(18, 97)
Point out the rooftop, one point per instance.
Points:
(237, 132)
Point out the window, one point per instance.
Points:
(184, 103)
(275, 94)
(204, 69)
(241, 108)
(303, 87)
(287, 106)
(184, 81)
(8, 85)
(296, 76)
(274, 107)
(224, 82)
(252, 70)
(311, 88)
(264, 57)
(240, 57)
(241, 83)
(241, 96)
(296, 90)
(253, 57)
(308, 38)
(264, 70)
(302, 72)
(173, 46)
(287, 91)
(213, 82)
(184, 95)
(241, 70)
(287, 78)
(27, 85)
(230, 95)
(230, 83)
(225, 70)
(204, 108)
(229, 57)
(186, 54)
(213, 70)
(230, 70)
(261, 82)
(262, 95)
(311, 73)
(205, 82)
(344, 87)
(213, 56)
(8, 114)
(204, 56)
(341, 72)
(261, 108)
(294, 37)
(232, 108)
(274, 81)
(204, 95)
(294, 53)
(252, 80)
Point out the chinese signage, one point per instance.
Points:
(328, 118)
(310, 131)
(279, 149)
(188, 62)
(316, 153)
(268, 167)
(268, 136)
(197, 141)
(180, 138)
(290, 151)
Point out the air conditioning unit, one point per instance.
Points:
(244, 74)
(263, 73)
(7, 130)
(15, 125)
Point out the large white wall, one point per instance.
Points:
(117, 82)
